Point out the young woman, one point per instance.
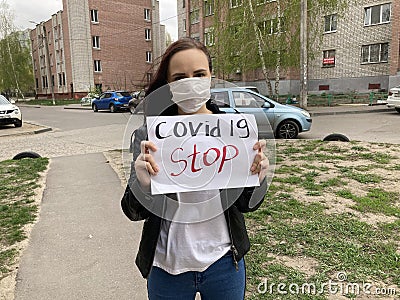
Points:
(181, 259)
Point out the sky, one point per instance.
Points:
(41, 10)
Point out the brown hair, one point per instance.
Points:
(160, 79)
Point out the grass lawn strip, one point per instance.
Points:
(332, 207)
(21, 188)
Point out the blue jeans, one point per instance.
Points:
(220, 281)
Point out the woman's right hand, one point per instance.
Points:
(145, 165)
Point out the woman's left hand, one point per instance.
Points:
(260, 163)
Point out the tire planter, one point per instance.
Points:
(27, 154)
(338, 137)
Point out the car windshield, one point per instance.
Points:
(3, 100)
(125, 94)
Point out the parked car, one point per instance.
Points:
(9, 113)
(112, 100)
(137, 98)
(393, 99)
(285, 121)
(88, 99)
(252, 88)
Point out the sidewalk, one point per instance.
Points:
(313, 110)
(82, 246)
(347, 109)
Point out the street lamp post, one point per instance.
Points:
(48, 62)
(303, 55)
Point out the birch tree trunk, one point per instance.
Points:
(278, 54)
(260, 50)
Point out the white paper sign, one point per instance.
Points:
(202, 152)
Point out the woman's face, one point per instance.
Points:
(188, 63)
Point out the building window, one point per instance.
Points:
(149, 77)
(375, 53)
(209, 36)
(330, 23)
(61, 79)
(270, 26)
(149, 56)
(96, 42)
(45, 84)
(208, 7)
(184, 24)
(374, 86)
(52, 80)
(235, 3)
(97, 65)
(194, 16)
(94, 16)
(329, 59)
(37, 83)
(147, 34)
(99, 87)
(378, 14)
(147, 14)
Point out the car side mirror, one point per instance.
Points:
(268, 105)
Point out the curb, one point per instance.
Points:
(78, 108)
(314, 114)
(37, 131)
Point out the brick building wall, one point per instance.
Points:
(347, 41)
(96, 43)
(349, 72)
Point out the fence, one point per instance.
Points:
(339, 99)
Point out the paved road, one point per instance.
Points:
(74, 132)
(371, 127)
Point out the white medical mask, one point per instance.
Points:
(190, 94)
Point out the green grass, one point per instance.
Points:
(376, 201)
(49, 102)
(286, 226)
(18, 180)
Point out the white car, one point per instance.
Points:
(9, 113)
(393, 99)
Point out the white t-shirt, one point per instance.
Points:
(184, 246)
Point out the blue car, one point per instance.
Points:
(285, 121)
(112, 101)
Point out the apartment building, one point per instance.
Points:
(103, 44)
(358, 50)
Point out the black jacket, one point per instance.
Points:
(155, 206)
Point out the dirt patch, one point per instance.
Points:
(306, 265)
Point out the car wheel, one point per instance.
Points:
(397, 109)
(287, 130)
(336, 137)
(18, 123)
(112, 108)
(27, 154)
(95, 109)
